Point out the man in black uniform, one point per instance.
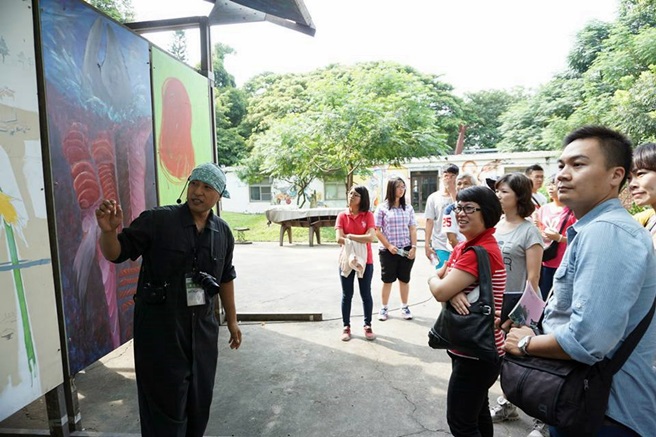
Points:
(187, 258)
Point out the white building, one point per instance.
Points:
(422, 177)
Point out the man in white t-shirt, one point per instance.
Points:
(436, 203)
(449, 222)
(536, 174)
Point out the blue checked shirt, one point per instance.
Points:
(395, 224)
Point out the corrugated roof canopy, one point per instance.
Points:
(288, 13)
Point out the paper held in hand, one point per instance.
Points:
(529, 308)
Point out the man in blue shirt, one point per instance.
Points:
(606, 282)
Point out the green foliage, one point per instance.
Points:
(588, 45)
(637, 14)
(343, 119)
(483, 112)
(611, 81)
(178, 45)
(230, 111)
(635, 109)
(120, 10)
(222, 79)
(4, 50)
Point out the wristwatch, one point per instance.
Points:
(523, 344)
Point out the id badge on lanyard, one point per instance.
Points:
(195, 294)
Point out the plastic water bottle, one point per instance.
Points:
(434, 260)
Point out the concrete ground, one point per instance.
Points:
(298, 378)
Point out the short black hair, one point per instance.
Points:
(616, 147)
(531, 168)
(390, 194)
(451, 168)
(644, 157)
(364, 197)
(486, 199)
(523, 189)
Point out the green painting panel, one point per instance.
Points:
(183, 128)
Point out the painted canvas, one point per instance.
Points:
(31, 362)
(99, 113)
(183, 129)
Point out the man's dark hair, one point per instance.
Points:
(523, 189)
(531, 168)
(644, 157)
(451, 168)
(364, 197)
(487, 201)
(616, 147)
(390, 194)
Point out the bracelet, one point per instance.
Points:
(560, 238)
(414, 245)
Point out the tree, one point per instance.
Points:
(4, 50)
(222, 79)
(178, 45)
(588, 45)
(120, 10)
(230, 110)
(484, 109)
(637, 14)
(341, 120)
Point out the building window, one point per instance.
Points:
(334, 190)
(423, 184)
(260, 192)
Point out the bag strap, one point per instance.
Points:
(562, 225)
(484, 276)
(622, 354)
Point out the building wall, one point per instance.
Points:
(480, 165)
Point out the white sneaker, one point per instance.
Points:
(540, 429)
(503, 411)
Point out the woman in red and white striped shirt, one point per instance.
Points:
(477, 211)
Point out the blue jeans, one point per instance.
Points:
(467, 404)
(364, 284)
(546, 280)
(609, 429)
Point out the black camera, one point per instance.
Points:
(207, 282)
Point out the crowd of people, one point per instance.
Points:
(568, 247)
(187, 256)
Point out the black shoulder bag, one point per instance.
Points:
(552, 250)
(565, 393)
(471, 334)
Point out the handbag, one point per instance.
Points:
(552, 250)
(471, 334)
(567, 394)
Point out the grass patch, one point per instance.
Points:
(259, 231)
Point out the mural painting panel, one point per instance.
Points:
(98, 104)
(31, 362)
(183, 128)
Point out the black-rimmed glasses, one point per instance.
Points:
(467, 209)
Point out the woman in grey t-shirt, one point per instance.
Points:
(521, 247)
(519, 239)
